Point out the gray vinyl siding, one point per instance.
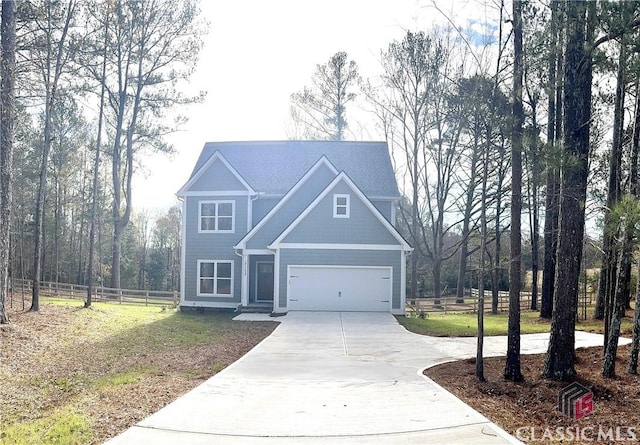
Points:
(212, 246)
(217, 178)
(362, 227)
(330, 257)
(384, 207)
(260, 208)
(293, 207)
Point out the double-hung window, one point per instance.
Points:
(215, 278)
(341, 206)
(217, 216)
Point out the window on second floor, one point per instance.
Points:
(217, 216)
(341, 206)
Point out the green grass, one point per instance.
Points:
(120, 379)
(99, 350)
(466, 325)
(63, 427)
(147, 326)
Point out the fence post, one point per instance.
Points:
(175, 298)
(120, 295)
(146, 298)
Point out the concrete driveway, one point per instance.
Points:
(331, 377)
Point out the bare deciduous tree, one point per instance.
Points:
(51, 55)
(152, 46)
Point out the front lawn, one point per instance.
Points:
(77, 376)
(466, 325)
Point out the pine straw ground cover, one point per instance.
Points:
(75, 376)
(528, 409)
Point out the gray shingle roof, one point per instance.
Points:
(275, 166)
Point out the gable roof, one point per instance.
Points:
(342, 176)
(323, 161)
(274, 167)
(203, 168)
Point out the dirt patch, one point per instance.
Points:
(529, 409)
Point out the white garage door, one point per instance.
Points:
(327, 288)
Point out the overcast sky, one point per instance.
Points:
(258, 52)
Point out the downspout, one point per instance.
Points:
(241, 255)
(183, 248)
(250, 210)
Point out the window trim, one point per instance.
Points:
(214, 278)
(346, 206)
(217, 203)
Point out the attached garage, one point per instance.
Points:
(339, 288)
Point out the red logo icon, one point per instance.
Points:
(575, 401)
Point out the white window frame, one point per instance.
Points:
(215, 279)
(346, 206)
(217, 203)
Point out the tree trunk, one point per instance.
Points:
(635, 145)
(464, 247)
(533, 163)
(483, 250)
(462, 266)
(56, 227)
(560, 358)
(437, 291)
(39, 210)
(552, 176)
(79, 270)
(116, 255)
(607, 290)
(535, 244)
(497, 270)
(122, 220)
(609, 272)
(52, 67)
(550, 242)
(617, 151)
(512, 366)
(609, 363)
(635, 343)
(7, 132)
(96, 176)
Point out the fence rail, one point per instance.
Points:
(100, 293)
(469, 302)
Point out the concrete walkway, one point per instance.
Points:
(330, 377)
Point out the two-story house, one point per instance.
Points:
(293, 225)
